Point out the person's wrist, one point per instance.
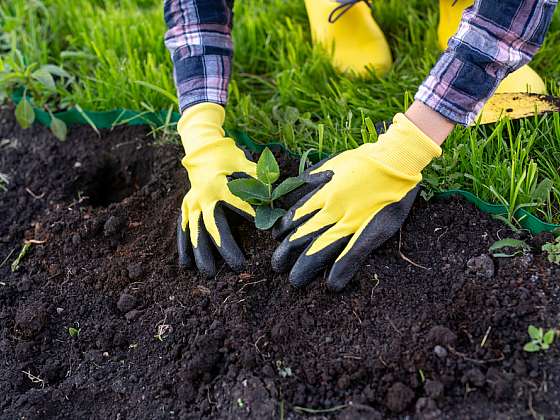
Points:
(431, 123)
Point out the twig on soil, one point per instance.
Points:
(393, 325)
(442, 234)
(377, 281)
(320, 410)
(35, 241)
(357, 316)
(483, 342)
(33, 378)
(239, 301)
(8, 257)
(257, 343)
(250, 284)
(350, 356)
(209, 399)
(32, 194)
(480, 362)
(404, 257)
(531, 409)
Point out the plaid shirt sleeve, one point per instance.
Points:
(494, 39)
(199, 41)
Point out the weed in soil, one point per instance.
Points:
(439, 338)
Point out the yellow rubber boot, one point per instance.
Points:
(524, 79)
(354, 39)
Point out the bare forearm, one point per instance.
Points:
(430, 122)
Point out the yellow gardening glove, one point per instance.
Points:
(210, 159)
(360, 199)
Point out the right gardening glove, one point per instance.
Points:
(210, 159)
(360, 198)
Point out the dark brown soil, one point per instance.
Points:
(434, 334)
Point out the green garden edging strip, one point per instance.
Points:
(110, 119)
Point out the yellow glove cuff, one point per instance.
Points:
(405, 148)
(200, 124)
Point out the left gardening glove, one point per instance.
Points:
(361, 197)
(210, 159)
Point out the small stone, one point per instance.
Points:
(24, 285)
(482, 266)
(433, 389)
(526, 260)
(112, 225)
(475, 377)
(519, 367)
(135, 271)
(76, 239)
(425, 404)
(132, 315)
(328, 340)
(440, 352)
(441, 335)
(398, 397)
(59, 310)
(31, 320)
(95, 356)
(426, 409)
(126, 302)
(343, 382)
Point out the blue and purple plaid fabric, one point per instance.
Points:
(494, 39)
(199, 40)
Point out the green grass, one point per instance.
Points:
(285, 90)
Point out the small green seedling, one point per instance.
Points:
(508, 247)
(74, 332)
(539, 339)
(260, 193)
(283, 370)
(4, 181)
(553, 251)
(24, 250)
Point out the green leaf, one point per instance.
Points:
(74, 332)
(549, 337)
(516, 244)
(44, 77)
(286, 186)
(24, 113)
(16, 263)
(3, 95)
(535, 333)
(266, 217)
(251, 190)
(303, 161)
(543, 190)
(531, 347)
(55, 70)
(58, 128)
(267, 167)
(88, 119)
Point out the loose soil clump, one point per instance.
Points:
(431, 327)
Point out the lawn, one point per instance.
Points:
(285, 90)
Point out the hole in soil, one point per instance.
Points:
(111, 181)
